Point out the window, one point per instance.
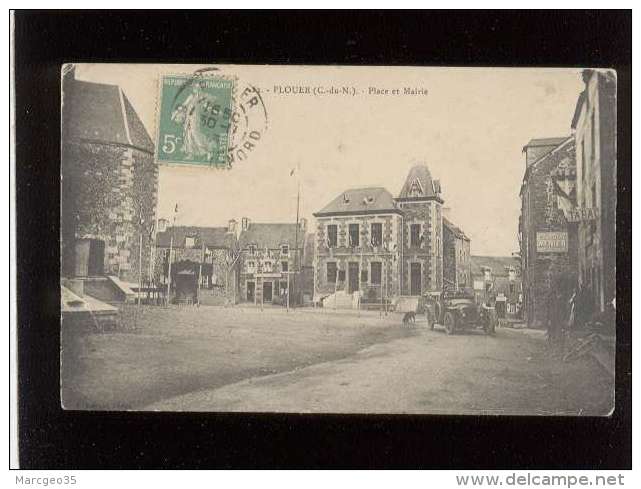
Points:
(251, 265)
(377, 234)
(252, 249)
(284, 266)
(354, 235)
(415, 235)
(268, 265)
(331, 272)
(190, 242)
(332, 236)
(284, 250)
(511, 288)
(376, 269)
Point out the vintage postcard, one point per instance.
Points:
(336, 239)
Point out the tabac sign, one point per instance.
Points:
(579, 214)
(552, 242)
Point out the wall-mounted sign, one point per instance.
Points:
(552, 242)
(579, 214)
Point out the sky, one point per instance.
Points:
(469, 130)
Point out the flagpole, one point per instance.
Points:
(296, 257)
(171, 245)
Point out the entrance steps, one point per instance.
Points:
(341, 300)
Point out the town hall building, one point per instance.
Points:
(382, 246)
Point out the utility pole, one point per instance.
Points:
(171, 246)
(200, 270)
(139, 267)
(288, 290)
(296, 260)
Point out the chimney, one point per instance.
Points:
(244, 223)
(162, 225)
(303, 224)
(231, 226)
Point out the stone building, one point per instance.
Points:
(421, 204)
(198, 253)
(269, 252)
(109, 182)
(456, 257)
(594, 125)
(497, 280)
(369, 242)
(358, 236)
(547, 240)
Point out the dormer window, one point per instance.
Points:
(415, 190)
(252, 249)
(284, 250)
(345, 199)
(251, 266)
(487, 274)
(190, 242)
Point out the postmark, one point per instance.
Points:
(250, 122)
(194, 123)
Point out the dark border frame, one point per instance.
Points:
(51, 438)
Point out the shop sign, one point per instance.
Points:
(552, 242)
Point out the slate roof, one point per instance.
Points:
(455, 230)
(430, 188)
(271, 235)
(496, 263)
(365, 200)
(541, 142)
(214, 237)
(96, 111)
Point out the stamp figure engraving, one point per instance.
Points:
(194, 120)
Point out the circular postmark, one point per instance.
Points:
(249, 123)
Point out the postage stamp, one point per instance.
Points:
(194, 120)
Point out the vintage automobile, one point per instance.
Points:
(457, 311)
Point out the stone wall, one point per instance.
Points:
(106, 190)
(430, 254)
(343, 254)
(222, 282)
(543, 272)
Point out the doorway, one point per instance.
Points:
(415, 279)
(89, 257)
(267, 291)
(352, 277)
(251, 289)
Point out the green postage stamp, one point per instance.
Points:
(195, 119)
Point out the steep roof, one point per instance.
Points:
(364, 200)
(567, 141)
(214, 237)
(542, 142)
(496, 263)
(454, 229)
(102, 112)
(419, 184)
(271, 235)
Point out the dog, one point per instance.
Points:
(409, 317)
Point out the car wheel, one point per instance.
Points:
(449, 322)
